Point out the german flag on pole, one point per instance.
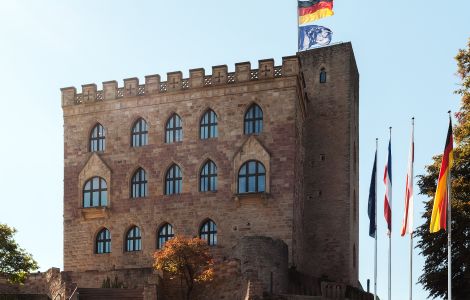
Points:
(312, 10)
(439, 209)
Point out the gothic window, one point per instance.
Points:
(208, 128)
(139, 133)
(139, 184)
(174, 129)
(208, 179)
(251, 177)
(95, 193)
(253, 120)
(133, 240)
(208, 232)
(164, 234)
(173, 181)
(103, 242)
(98, 138)
(322, 75)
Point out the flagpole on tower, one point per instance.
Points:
(389, 167)
(375, 250)
(449, 231)
(411, 229)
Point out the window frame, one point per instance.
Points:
(164, 233)
(171, 129)
(257, 174)
(323, 77)
(210, 179)
(135, 240)
(105, 241)
(210, 232)
(91, 191)
(253, 119)
(139, 133)
(208, 129)
(137, 183)
(97, 137)
(174, 181)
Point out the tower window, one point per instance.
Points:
(98, 138)
(253, 120)
(95, 193)
(133, 240)
(251, 177)
(103, 242)
(139, 133)
(322, 75)
(164, 234)
(208, 232)
(208, 178)
(208, 128)
(139, 184)
(174, 129)
(174, 180)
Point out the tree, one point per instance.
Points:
(434, 246)
(15, 263)
(188, 259)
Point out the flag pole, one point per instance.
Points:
(449, 231)
(390, 239)
(375, 250)
(411, 233)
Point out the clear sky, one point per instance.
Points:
(404, 51)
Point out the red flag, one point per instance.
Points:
(388, 188)
(407, 224)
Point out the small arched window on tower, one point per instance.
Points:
(174, 129)
(208, 178)
(133, 240)
(251, 177)
(98, 138)
(139, 184)
(208, 232)
(165, 234)
(173, 180)
(95, 192)
(140, 133)
(253, 120)
(322, 75)
(103, 242)
(208, 127)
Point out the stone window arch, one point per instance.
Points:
(173, 180)
(139, 187)
(174, 129)
(97, 138)
(253, 122)
(139, 133)
(133, 239)
(208, 125)
(103, 242)
(208, 232)
(208, 177)
(164, 234)
(252, 177)
(95, 192)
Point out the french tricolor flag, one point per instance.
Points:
(388, 189)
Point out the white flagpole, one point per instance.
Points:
(449, 231)
(411, 233)
(390, 235)
(375, 251)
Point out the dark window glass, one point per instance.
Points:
(133, 240)
(98, 138)
(174, 129)
(95, 192)
(254, 120)
(164, 234)
(322, 75)
(252, 177)
(208, 178)
(208, 232)
(174, 180)
(139, 133)
(139, 184)
(208, 128)
(103, 241)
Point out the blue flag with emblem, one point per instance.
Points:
(312, 35)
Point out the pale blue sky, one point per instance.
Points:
(404, 53)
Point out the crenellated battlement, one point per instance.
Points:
(175, 81)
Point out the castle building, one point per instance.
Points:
(262, 163)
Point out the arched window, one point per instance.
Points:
(208, 232)
(251, 177)
(164, 234)
(174, 129)
(139, 184)
(139, 133)
(133, 240)
(98, 138)
(103, 242)
(95, 192)
(208, 128)
(173, 181)
(208, 178)
(254, 120)
(322, 75)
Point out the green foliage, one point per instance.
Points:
(434, 246)
(15, 263)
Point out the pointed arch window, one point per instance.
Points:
(174, 180)
(103, 242)
(208, 177)
(253, 120)
(133, 240)
(165, 233)
(139, 184)
(174, 129)
(208, 126)
(98, 138)
(95, 192)
(208, 232)
(139, 133)
(252, 177)
(322, 75)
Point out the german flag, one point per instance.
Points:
(439, 209)
(311, 10)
